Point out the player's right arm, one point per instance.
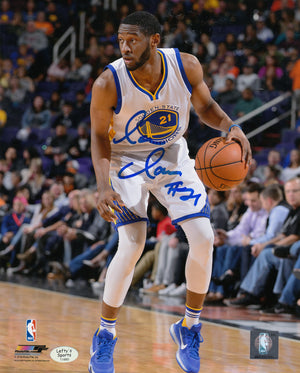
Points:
(104, 100)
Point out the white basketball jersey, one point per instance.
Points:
(143, 121)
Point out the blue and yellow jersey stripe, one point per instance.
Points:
(155, 95)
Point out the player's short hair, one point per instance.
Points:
(273, 191)
(146, 21)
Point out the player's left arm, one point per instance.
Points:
(207, 108)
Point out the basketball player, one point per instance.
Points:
(139, 113)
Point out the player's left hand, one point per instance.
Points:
(236, 134)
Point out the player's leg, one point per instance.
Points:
(118, 279)
(186, 332)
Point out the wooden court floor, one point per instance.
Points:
(144, 343)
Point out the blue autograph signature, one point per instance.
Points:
(149, 169)
(129, 133)
(176, 188)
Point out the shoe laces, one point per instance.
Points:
(193, 340)
(105, 349)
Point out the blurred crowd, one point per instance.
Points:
(249, 51)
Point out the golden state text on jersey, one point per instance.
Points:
(144, 120)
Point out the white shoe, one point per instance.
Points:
(70, 283)
(147, 284)
(167, 290)
(98, 285)
(88, 263)
(180, 291)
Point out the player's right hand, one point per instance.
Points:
(106, 205)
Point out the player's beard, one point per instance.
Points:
(142, 60)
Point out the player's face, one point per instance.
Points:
(134, 46)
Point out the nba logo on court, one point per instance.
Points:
(30, 330)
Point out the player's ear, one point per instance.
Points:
(155, 40)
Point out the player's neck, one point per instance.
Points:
(150, 74)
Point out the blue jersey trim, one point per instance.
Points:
(205, 212)
(165, 65)
(183, 74)
(118, 87)
(140, 88)
(155, 95)
(120, 223)
(197, 214)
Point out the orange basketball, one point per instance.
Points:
(219, 165)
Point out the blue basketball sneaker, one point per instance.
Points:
(102, 350)
(188, 341)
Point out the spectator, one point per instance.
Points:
(220, 79)
(274, 159)
(60, 198)
(273, 24)
(278, 5)
(79, 70)
(272, 174)
(80, 266)
(289, 42)
(11, 163)
(25, 235)
(254, 284)
(58, 70)
(248, 79)
(3, 191)
(245, 105)
(164, 255)
(251, 40)
(7, 71)
(210, 46)
(94, 18)
(230, 95)
(184, 37)
(218, 212)
(81, 108)
(263, 32)
(235, 206)
(29, 14)
(106, 255)
(47, 243)
(42, 24)
(293, 169)
(55, 104)
(232, 69)
(58, 17)
(81, 145)
(25, 82)
(10, 225)
(230, 244)
(36, 116)
(6, 15)
(5, 105)
(58, 167)
(60, 142)
(33, 38)
(295, 76)
(15, 93)
(270, 64)
(67, 117)
(22, 57)
(230, 41)
(84, 231)
(109, 35)
(34, 177)
(287, 301)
